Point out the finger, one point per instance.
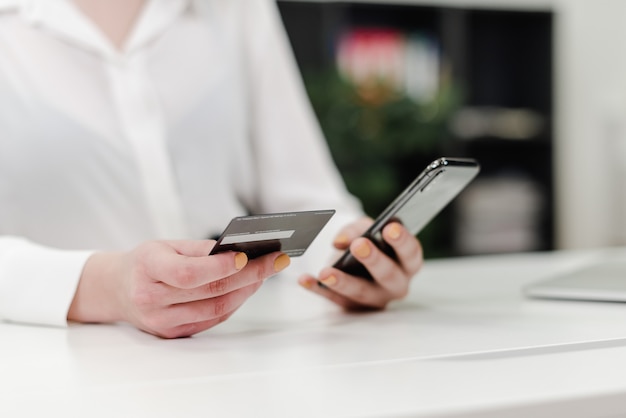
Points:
(358, 291)
(187, 330)
(207, 309)
(387, 273)
(256, 270)
(406, 246)
(192, 248)
(351, 231)
(165, 264)
(312, 284)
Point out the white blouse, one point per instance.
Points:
(202, 117)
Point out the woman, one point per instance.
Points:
(133, 130)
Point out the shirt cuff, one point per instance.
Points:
(37, 283)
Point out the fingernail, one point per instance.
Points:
(341, 239)
(362, 250)
(394, 231)
(329, 281)
(308, 284)
(281, 262)
(241, 259)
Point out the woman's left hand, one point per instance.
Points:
(391, 277)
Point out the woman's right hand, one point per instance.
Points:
(169, 288)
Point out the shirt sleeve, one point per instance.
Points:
(294, 167)
(37, 283)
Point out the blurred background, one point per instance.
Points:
(535, 90)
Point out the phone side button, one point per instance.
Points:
(431, 180)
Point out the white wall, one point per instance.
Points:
(590, 157)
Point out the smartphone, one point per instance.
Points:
(418, 204)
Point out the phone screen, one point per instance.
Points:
(417, 205)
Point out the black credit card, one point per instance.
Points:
(289, 232)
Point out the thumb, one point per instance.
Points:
(192, 248)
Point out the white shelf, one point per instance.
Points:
(590, 113)
(522, 5)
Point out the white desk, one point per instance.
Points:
(465, 343)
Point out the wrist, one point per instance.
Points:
(96, 298)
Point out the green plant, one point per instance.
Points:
(375, 133)
(380, 139)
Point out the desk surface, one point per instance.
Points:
(464, 343)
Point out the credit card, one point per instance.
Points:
(289, 232)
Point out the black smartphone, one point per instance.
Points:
(418, 204)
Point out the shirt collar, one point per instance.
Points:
(66, 21)
(156, 18)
